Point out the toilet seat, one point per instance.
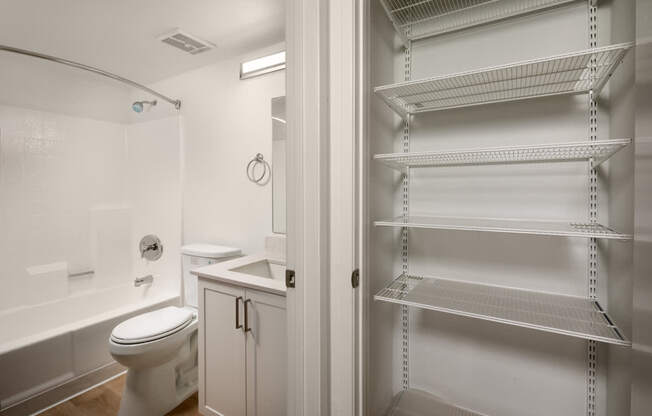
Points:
(152, 326)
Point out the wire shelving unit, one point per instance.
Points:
(561, 314)
(507, 226)
(581, 72)
(599, 151)
(418, 19)
(572, 73)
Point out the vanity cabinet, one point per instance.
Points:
(242, 351)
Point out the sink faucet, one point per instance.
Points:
(143, 280)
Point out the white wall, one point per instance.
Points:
(226, 121)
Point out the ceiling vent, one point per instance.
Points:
(187, 43)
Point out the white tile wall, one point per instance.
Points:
(76, 194)
(154, 167)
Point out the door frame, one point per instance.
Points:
(348, 94)
(326, 90)
(307, 207)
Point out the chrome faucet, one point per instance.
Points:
(148, 247)
(151, 248)
(144, 280)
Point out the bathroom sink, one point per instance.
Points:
(269, 269)
(256, 271)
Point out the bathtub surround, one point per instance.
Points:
(77, 196)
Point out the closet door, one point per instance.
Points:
(266, 346)
(223, 349)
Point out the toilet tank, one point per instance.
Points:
(198, 255)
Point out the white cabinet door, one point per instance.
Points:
(222, 351)
(266, 354)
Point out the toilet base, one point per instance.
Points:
(154, 391)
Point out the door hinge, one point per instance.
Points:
(289, 278)
(355, 278)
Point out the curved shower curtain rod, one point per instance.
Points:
(175, 103)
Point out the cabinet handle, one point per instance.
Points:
(238, 325)
(246, 323)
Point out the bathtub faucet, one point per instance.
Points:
(151, 248)
(143, 280)
(148, 247)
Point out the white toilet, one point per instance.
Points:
(159, 348)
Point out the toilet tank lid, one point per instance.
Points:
(210, 251)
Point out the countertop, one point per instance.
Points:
(221, 272)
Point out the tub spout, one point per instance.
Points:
(143, 280)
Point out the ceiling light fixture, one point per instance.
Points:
(263, 65)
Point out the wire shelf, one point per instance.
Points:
(508, 226)
(561, 314)
(599, 151)
(562, 74)
(419, 402)
(418, 19)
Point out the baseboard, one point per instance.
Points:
(50, 398)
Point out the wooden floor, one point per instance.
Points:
(104, 400)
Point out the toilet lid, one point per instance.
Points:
(152, 325)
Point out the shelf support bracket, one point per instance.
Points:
(592, 347)
(405, 311)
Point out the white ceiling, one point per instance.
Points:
(120, 36)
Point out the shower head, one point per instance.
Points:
(140, 106)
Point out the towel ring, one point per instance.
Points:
(259, 159)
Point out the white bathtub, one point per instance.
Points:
(49, 344)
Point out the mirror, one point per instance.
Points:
(278, 160)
